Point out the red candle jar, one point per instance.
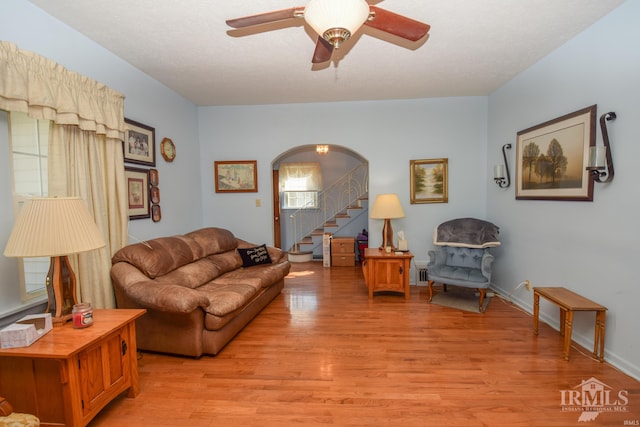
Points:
(82, 315)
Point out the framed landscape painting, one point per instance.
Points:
(237, 176)
(551, 158)
(429, 181)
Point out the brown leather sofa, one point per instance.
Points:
(200, 289)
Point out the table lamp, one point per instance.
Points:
(55, 227)
(387, 207)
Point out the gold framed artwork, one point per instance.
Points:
(429, 181)
(236, 176)
(137, 192)
(551, 158)
(139, 143)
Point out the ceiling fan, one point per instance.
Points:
(337, 20)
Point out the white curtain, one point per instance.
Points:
(87, 165)
(300, 177)
(85, 151)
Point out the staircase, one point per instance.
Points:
(340, 206)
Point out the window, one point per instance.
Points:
(300, 184)
(28, 142)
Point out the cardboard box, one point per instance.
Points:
(326, 250)
(26, 331)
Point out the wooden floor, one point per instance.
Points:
(323, 354)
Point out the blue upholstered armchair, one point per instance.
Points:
(461, 256)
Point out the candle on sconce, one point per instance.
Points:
(498, 171)
(597, 157)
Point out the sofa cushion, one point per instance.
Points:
(254, 256)
(225, 298)
(227, 261)
(266, 274)
(192, 275)
(160, 256)
(214, 240)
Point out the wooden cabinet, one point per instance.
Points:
(387, 271)
(67, 376)
(343, 251)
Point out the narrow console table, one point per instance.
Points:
(569, 301)
(387, 271)
(67, 376)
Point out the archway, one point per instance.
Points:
(337, 164)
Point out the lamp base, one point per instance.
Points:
(61, 290)
(387, 235)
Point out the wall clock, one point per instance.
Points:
(168, 149)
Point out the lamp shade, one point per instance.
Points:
(387, 206)
(53, 226)
(325, 15)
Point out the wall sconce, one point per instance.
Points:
(501, 172)
(600, 155)
(322, 149)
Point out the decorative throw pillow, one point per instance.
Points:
(254, 256)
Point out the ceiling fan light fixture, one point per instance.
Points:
(336, 20)
(336, 36)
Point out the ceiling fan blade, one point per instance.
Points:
(397, 25)
(265, 18)
(323, 51)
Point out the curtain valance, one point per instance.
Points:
(46, 90)
(301, 176)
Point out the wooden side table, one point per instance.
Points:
(387, 271)
(67, 376)
(569, 301)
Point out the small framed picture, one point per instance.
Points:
(238, 176)
(429, 179)
(551, 158)
(137, 192)
(153, 177)
(139, 143)
(156, 213)
(155, 195)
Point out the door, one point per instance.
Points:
(276, 207)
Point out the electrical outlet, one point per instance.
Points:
(527, 284)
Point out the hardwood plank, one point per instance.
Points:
(322, 353)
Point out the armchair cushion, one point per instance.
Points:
(467, 232)
(470, 267)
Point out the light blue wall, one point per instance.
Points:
(387, 133)
(146, 101)
(591, 248)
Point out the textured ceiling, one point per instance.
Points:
(473, 48)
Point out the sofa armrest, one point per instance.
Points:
(153, 295)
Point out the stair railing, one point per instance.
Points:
(333, 200)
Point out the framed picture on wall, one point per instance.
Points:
(137, 192)
(551, 158)
(139, 143)
(429, 181)
(237, 176)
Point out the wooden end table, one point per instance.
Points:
(387, 271)
(569, 301)
(67, 376)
